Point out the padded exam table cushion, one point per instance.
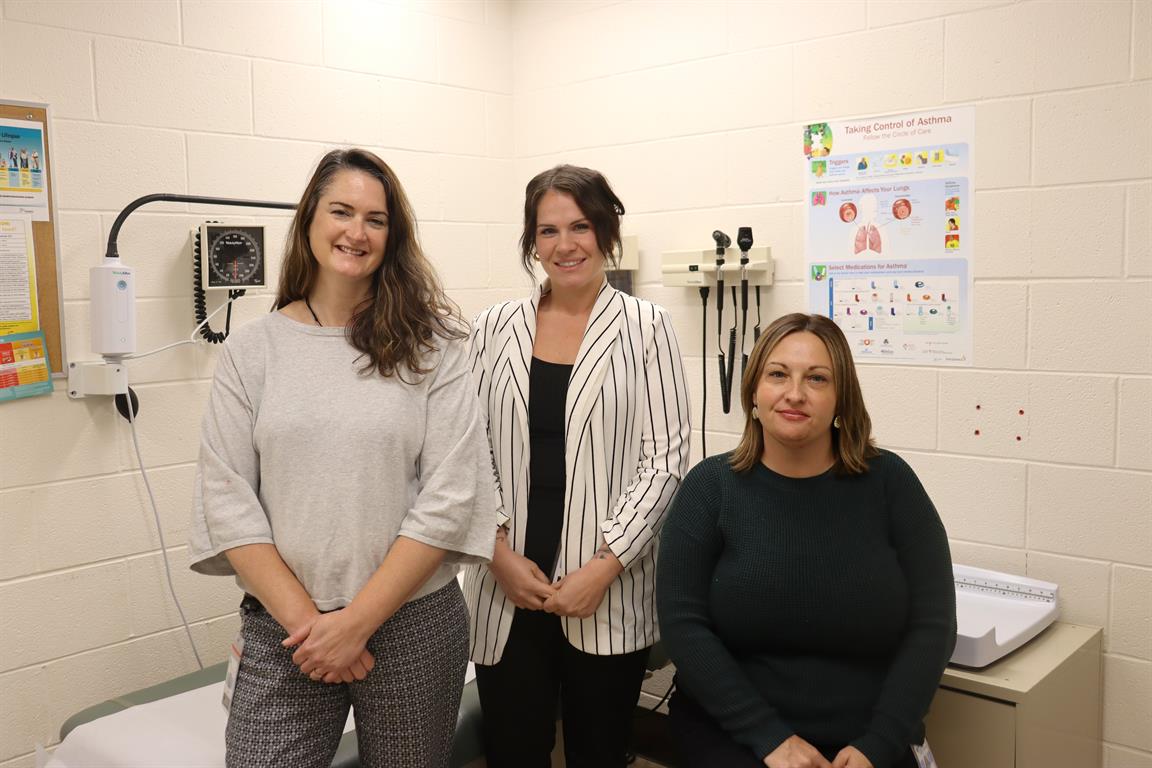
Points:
(124, 732)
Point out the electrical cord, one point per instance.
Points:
(130, 408)
(195, 331)
(160, 533)
(664, 698)
(129, 411)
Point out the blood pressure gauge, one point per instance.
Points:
(233, 256)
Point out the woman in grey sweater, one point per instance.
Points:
(343, 476)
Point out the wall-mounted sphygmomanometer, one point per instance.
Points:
(235, 255)
(224, 257)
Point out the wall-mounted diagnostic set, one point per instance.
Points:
(225, 257)
(710, 267)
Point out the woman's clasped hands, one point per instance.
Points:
(578, 594)
(332, 648)
(795, 752)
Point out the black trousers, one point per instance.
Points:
(702, 743)
(540, 669)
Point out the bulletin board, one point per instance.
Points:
(47, 256)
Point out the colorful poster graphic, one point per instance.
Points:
(24, 368)
(23, 169)
(888, 233)
(19, 311)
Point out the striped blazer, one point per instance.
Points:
(626, 450)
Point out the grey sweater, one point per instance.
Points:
(300, 450)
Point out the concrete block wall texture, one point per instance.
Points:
(693, 109)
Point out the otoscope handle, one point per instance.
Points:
(727, 374)
(731, 354)
(725, 392)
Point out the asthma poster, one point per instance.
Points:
(888, 233)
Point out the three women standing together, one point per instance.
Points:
(354, 453)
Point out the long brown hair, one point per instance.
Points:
(406, 309)
(852, 443)
(592, 194)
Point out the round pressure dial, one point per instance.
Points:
(235, 256)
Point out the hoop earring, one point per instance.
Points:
(836, 422)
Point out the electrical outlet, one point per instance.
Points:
(697, 268)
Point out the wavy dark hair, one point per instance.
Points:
(406, 309)
(594, 197)
(852, 442)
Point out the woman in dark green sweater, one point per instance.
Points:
(805, 586)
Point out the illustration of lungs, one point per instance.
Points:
(867, 238)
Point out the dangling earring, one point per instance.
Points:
(836, 422)
(755, 413)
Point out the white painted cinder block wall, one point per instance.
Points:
(693, 110)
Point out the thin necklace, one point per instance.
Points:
(307, 304)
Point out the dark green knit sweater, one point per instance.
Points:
(822, 606)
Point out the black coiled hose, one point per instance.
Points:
(200, 301)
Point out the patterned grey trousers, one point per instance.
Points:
(405, 709)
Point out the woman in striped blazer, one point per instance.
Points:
(586, 403)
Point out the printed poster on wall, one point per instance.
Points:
(19, 310)
(24, 367)
(23, 169)
(888, 233)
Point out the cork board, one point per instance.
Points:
(44, 237)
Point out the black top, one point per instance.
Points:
(547, 391)
(822, 606)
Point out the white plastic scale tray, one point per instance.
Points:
(996, 613)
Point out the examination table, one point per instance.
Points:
(181, 723)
